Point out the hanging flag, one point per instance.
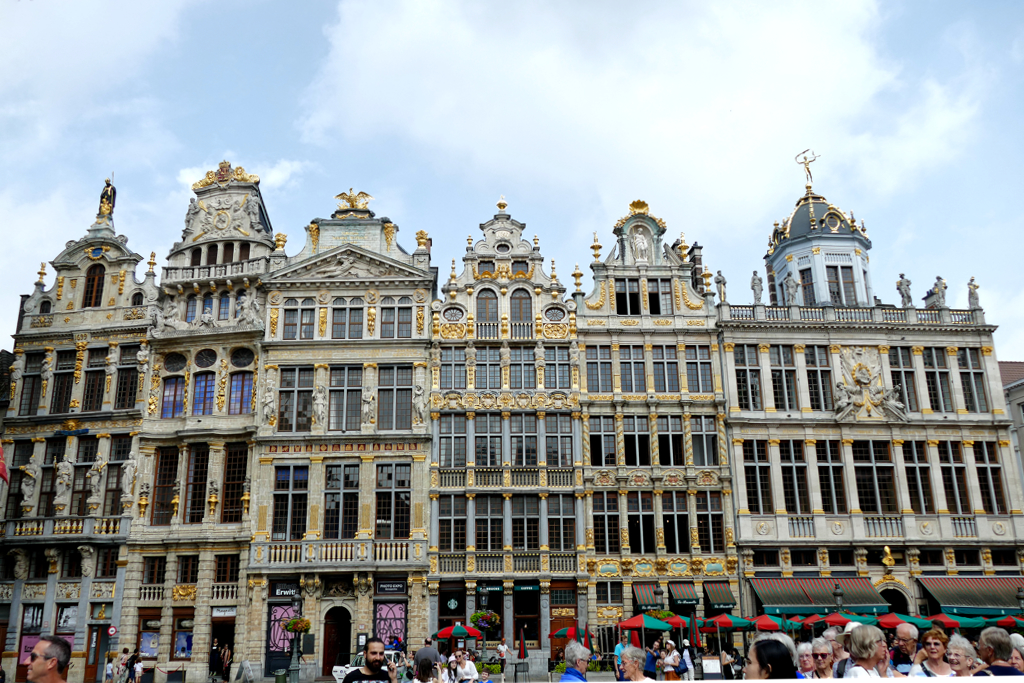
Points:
(694, 633)
(3, 467)
(586, 638)
(522, 644)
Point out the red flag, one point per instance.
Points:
(634, 638)
(3, 467)
(694, 633)
(586, 638)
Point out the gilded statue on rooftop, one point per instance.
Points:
(806, 162)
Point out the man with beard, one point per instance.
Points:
(375, 667)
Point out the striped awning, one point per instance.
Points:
(683, 593)
(643, 597)
(989, 595)
(719, 595)
(814, 595)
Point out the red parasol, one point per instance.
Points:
(522, 644)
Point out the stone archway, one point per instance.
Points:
(896, 598)
(337, 643)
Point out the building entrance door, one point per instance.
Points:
(337, 647)
(94, 655)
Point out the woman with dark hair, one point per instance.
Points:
(769, 659)
(425, 671)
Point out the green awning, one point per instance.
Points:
(643, 596)
(989, 595)
(814, 595)
(684, 593)
(719, 595)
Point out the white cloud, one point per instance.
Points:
(284, 173)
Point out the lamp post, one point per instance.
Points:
(1020, 597)
(838, 595)
(293, 668)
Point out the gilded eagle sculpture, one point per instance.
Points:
(353, 200)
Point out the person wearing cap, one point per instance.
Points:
(844, 662)
(671, 664)
(686, 666)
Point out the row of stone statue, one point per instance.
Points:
(65, 477)
(791, 287)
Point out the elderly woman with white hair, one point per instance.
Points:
(633, 660)
(821, 651)
(805, 659)
(961, 656)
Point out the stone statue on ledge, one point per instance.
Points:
(903, 287)
(757, 287)
(972, 294)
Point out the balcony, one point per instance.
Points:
(360, 552)
(876, 315)
(451, 564)
(853, 315)
(812, 314)
(487, 331)
(526, 563)
(525, 478)
(883, 527)
(560, 479)
(452, 479)
(66, 526)
(489, 477)
(522, 330)
(224, 591)
(801, 527)
(238, 270)
(742, 312)
(964, 527)
(490, 564)
(776, 313)
(151, 594)
(563, 563)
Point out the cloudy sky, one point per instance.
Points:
(569, 109)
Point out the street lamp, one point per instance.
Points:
(838, 595)
(659, 595)
(1020, 597)
(293, 668)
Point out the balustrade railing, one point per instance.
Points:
(451, 564)
(812, 314)
(525, 477)
(224, 591)
(742, 312)
(563, 563)
(522, 330)
(69, 525)
(776, 313)
(894, 315)
(560, 478)
(526, 562)
(882, 527)
(961, 317)
(487, 330)
(928, 315)
(801, 527)
(452, 478)
(239, 268)
(488, 477)
(151, 593)
(965, 527)
(853, 315)
(490, 564)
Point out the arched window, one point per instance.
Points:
(172, 405)
(208, 304)
(44, 308)
(487, 306)
(197, 257)
(521, 305)
(202, 395)
(347, 318)
(137, 299)
(223, 306)
(211, 255)
(243, 251)
(308, 320)
(94, 286)
(190, 309)
(229, 252)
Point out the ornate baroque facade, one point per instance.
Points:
(341, 431)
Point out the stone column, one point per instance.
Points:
(959, 404)
(432, 587)
(470, 600)
(616, 369)
(849, 478)
(902, 488)
(543, 521)
(507, 617)
(579, 508)
(801, 378)
(764, 363)
(996, 399)
(919, 381)
(778, 490)
(588, 514)
(741, 497)
(935, 474)
(545, 616)
(681, 356)
(730, 376)
(506, 531)
(973, 484)
(203, 629)
(624, 523)
(315, 499)
(691, 511)
(366, 493)
(659, 522)
(652, 426)
(813, 483)
(470, 522)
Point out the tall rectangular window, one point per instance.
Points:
(794, 477)
(95, 380)
(173, 404)
(599, 368)
(524, 440)
(522, 371)
(394, 397)
(936, 377)
(394, 496)
(489, 523)
(236, 460)
(63, 382)
(31, 384)
(757, 472)
(676, 520)
(396, 321)
(876, 482)
(487, 442)
(163, 484)
(453, 369)
(154, 570)
(710, 522)
(659, 296)
(295, 400)
(807, 285)
(627, 296)
(671, 441)
(606, 522)
(451, 524)
(488, 369)
(819, 377)
(188, 568)
(901, 374)
(704, 437)
(346, 399)
(784, 387)
(748, 377)
(602, 441)
(195, 487)
(227, 569)
(291, 484)
(562, 522)
(609, 593)
(347, 318)
(830, 477)
(341, 510)
(558, 427)
(127, 378)
(919, 483)
(556, 370)
(699, 378)
(241, 394)
(525, 522)
(637, 440)
(954, 478)
(631, 368)
(640, 511)
(666, 368)
(972, 380)
(202, 395)
(849, 291)
(452, 443)
(990, 477)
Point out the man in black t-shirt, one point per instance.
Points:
(375, 666)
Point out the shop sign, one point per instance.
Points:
(224, 611)
(526, 588)
(391, 588)
(284, 590)
(489, 589)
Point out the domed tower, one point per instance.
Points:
(818, 255)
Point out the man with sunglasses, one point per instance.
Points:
(48, 662)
